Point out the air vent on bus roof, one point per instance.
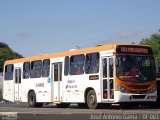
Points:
(72, 49)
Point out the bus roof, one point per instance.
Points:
(69, 53)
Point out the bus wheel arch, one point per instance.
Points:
(91, 98)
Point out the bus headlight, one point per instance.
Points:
(154, 89)
(122, 89)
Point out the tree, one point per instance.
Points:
(154, 42)
(6, 53)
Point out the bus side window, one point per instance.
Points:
(9, 72)
(92, 63)
(66, 66)
(26, 70)
(46, 68)
(77, 64)
(36, 69)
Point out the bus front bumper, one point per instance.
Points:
(126, 97)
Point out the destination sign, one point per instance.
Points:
(133, 50)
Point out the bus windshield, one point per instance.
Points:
(135, 68)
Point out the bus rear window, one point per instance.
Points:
(8, 72)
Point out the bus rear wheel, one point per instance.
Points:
(91, 100)
(32, 100)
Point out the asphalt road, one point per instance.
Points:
(21, 111)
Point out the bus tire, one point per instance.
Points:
(91, 99)
(32, 100)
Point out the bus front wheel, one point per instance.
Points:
(91, 99)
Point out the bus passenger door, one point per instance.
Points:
(107, 79)
(56, 79)
(17, 83)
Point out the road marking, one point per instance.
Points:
(8, 113)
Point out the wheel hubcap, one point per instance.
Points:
(31, 99)
(92, 99)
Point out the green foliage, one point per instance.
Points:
(6, 53)
(154, 42)
(4, 45)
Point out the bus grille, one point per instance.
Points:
(138, 96)
(138, 92)
(138, 89)
(138, 86)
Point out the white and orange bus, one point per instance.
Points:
(116, 73)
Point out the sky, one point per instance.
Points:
(32, 27)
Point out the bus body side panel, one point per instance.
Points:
(8, 90)
(74, 88)
(43, 90)
(41, 87)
